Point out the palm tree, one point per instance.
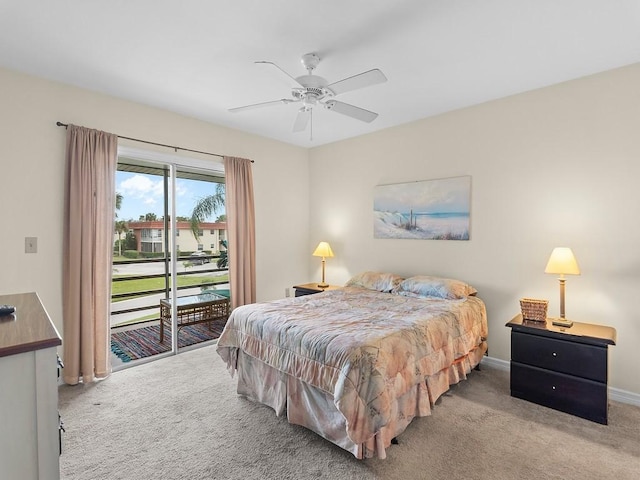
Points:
(148, 217)
(223, 261)
(206, 207)
(118, 202)
(121, 227)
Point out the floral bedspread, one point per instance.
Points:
(361, 346)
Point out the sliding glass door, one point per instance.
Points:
(169, 278)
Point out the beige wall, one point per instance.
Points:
(32, 176)
(558, 166)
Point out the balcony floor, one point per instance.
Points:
(133, 344)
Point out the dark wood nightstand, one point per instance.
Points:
(561, 368)
(311, 288)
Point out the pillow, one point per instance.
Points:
(426, 286)
(382, 282)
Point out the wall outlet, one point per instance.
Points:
(30, 244)
(287, 292)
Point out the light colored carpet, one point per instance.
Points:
(180, 418)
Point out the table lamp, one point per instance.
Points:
(562, 262)
(323, 250)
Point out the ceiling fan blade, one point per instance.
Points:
(361, 80)
(284, 76)
(302, 119)
(351, 111)
(262, 104)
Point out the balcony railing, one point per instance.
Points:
(129, 301)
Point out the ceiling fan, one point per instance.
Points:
(312, 90)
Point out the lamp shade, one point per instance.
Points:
(323, 250)
(562, 262)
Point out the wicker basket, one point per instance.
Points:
(535, 310)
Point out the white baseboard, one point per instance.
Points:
(496, 362)
(615, 394)
(624, 396)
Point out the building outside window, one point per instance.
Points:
(149, 236)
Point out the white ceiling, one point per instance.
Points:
(196, 57)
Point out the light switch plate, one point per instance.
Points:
(30, 244)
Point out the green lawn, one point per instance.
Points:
(146, 284)
(141, 285)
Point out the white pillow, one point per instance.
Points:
(427, 286)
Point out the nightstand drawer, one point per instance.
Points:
(299, 292)
(577, 396)
(572, 358)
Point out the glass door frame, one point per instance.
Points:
(171, 165)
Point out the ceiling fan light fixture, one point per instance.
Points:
(310, 101)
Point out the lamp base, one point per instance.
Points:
(323, 285)
(561, 322)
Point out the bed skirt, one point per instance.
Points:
(314, 409)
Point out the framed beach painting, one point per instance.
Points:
(426, 210)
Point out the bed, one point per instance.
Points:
(357, 364)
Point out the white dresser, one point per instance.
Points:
(29, 425)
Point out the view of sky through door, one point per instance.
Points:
(143, 194)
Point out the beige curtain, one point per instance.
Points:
(241, 230)
(88, 239)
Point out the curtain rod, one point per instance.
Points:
(65, 125)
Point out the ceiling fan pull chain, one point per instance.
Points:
(311, 128)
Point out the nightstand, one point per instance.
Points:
(561, 368)
(311, 288)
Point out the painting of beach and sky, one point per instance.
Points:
(427, 210)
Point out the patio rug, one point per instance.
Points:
(144, 342)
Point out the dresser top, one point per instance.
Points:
(29, 328)
(580, 332)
